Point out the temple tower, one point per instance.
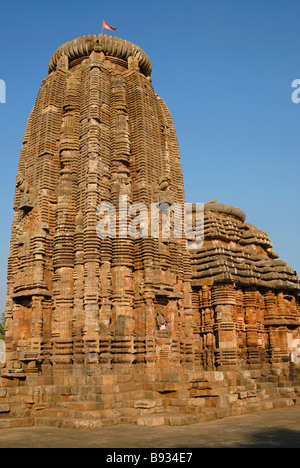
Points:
(98, 136)
(111, 317)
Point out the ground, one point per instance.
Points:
(278, 428)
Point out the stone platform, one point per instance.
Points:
(157, 399)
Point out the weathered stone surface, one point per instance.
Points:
(4, 408)
(249, 300)
(132, 328)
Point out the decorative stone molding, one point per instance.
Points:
(111, 46)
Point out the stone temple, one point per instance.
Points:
(136, 329)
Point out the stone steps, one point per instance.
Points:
(108, 400)
(162, 411)
(7, 423)
(94, 420)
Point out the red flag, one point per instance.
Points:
(106, 26)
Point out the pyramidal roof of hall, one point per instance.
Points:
(109, 45)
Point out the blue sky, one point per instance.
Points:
(223, 67)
